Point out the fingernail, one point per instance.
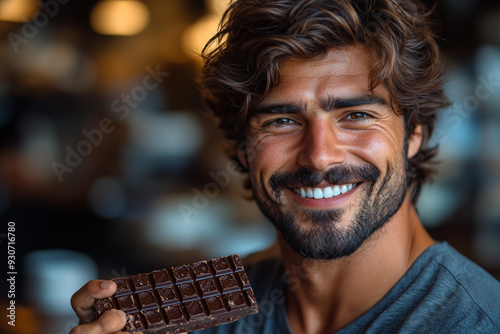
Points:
(105, 284)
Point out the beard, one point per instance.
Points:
(327, 239)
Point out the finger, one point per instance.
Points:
(83, 300)
(110, 322)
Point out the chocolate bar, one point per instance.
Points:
(183, 298)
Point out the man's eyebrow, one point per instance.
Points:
(330, 104)
(280, 108)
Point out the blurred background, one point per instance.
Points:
(110, 167)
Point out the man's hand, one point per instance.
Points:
(83, 301)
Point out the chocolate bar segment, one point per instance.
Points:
(183, 298)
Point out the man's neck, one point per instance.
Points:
(326, 296)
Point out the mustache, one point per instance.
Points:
(311, 178)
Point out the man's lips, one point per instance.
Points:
(324, 192)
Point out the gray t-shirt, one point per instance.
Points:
(442, 292)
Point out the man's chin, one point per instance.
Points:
(321, 238)
(311, 219)
(314, 251)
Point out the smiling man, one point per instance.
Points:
(329, 106)
(331, 167)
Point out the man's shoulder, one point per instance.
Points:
(442, 292)
(458, 272)
(451, 292)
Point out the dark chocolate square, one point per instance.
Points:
(174, 314)
(181, 274)
(251, 298)
(238, 265)
(201, 270)
(127, 303)
(215, 305)
(123, 286)
(135, 322)
(208, 287)
(221, 266)
(235, 300)
(188, 291)
(195, 310)
(153, 318)
(141, 282)
(102, 305)
(245, 283)
(147, 300)
(228, 283)
(161, 278)
(168, 296)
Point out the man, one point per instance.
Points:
(329, 106)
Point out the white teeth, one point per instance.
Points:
(328, 192)
(336, 191)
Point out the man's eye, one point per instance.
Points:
(281, 121)
(357, 116)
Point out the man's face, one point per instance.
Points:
(327, 156)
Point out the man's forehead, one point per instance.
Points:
(339, 74)
(346, 61)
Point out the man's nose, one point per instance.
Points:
(321, 147)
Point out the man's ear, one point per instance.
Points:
(415, 141)
(241, 155)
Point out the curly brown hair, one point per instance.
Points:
(256, 36)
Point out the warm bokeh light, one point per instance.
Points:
(117, 17)
(17, 10)
(197, 35)
(218, 6)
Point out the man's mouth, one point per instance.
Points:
(327, 192)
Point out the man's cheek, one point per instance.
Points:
(373, 148)
(263, 153)
(253, 148)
